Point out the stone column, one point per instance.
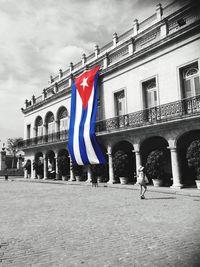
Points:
(56, 166)
(159, 12)
(72, 178)
(175, 168)
(89, 174)
(135, 27)
(33, 172)
(25, 174)
(60, 74)
(110, 165)
(137, 156)
(131, 46)
(115, 39)
(45, 168)
(106, 61)
(83, 60)
(164, 29)
(96, 51)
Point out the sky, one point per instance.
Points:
(39, 37)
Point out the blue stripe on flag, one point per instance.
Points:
(96, 146)
(72, 121)
(81, 137)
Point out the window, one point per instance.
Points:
(150, 93)
(64, 124)
(190, 80)
(28, 134)
(51, 128)
(119, 103)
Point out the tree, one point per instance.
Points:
(121, 163)
(155, 165)
(13, 147)
(193, 157)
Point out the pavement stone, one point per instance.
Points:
(72, 224)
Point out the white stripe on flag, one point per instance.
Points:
(88, 144)
(78, 113)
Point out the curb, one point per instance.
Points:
(183, 192)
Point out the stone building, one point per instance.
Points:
(149, 96)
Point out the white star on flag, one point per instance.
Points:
(84, 83)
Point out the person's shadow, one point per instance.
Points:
(157, 198)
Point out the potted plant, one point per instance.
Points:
(27, 167)
(154, 167)
(193, 158)
(38, 166)
(98, 170)
(77, 169)
(63, 167)
(121, 166)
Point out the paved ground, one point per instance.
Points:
(45, 224)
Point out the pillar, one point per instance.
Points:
(89, 174)
(25, 174)
(135, 27)
(175, 168)
(71, 67)
(105, 61)
(164, 29)
(96, 51)
(110, 165)
(83, 60)
(72, 178)
(33, 172)
(57, 177)
(137, 156)
(131, 46)
(159, 12)
(60, 74)
(115, 39)
(45, 168)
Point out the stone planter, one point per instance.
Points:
(78, 178)
(157, 182)
(198, 183)
(64, 177)
(123, 180)
(100, 179)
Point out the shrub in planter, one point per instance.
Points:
(98, 171)
(193, 158)
(154, 167)
(27, 166)
(63, 166)
(38, 167)
(77, 169)
(121, 165)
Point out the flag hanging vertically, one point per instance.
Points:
(83, 146)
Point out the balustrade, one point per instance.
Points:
(166, 112)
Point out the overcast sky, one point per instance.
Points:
(38, 37)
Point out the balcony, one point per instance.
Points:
(189, 107)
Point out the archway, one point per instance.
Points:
(188, 175)
(157, 143)
(127, 147)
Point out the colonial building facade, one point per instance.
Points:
(149, 97)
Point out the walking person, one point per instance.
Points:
(142, 181)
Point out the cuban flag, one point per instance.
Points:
(83, 146)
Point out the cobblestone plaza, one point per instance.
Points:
(71, 225)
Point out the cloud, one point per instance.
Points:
(40, 37)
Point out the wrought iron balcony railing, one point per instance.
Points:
(167, 112)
